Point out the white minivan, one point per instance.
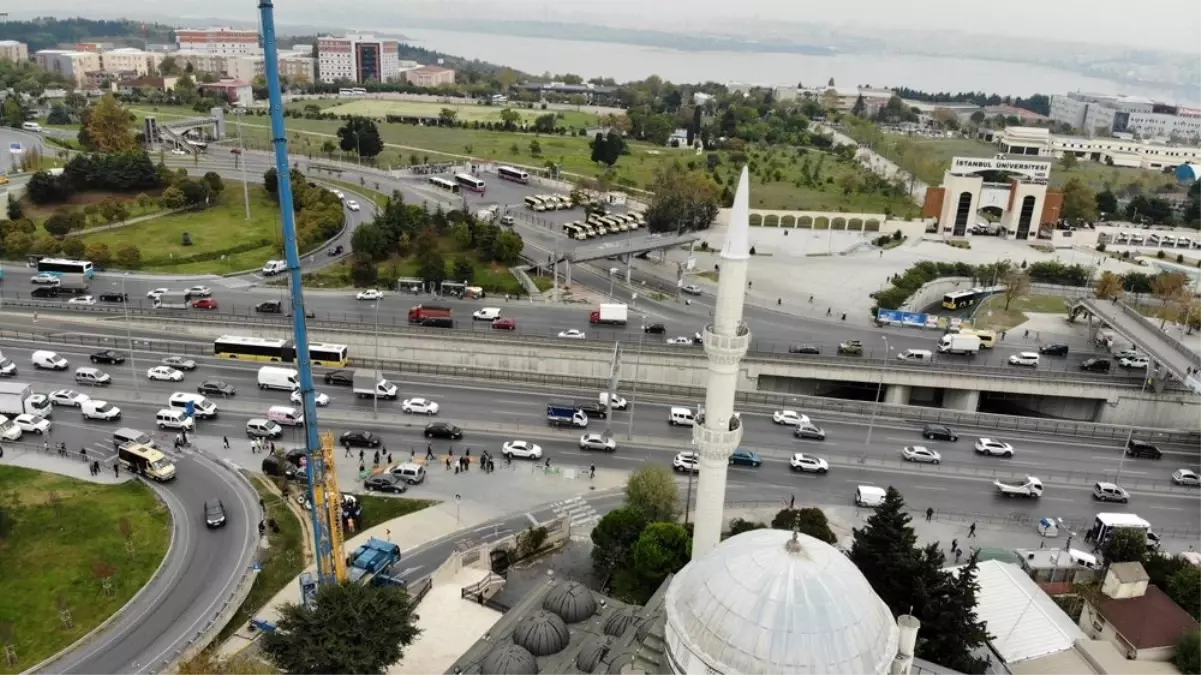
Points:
(273, 377)
(869, 496)
(173, 418)
(99, 410)
(273, 267)
(681, 417)
(285, 415)
(916, 355)
(47, 360)
(201, 406)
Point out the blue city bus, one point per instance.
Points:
(61, 266)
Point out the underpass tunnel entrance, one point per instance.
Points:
(1049, 407)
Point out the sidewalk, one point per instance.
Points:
(30, 456)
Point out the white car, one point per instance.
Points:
(987, 446)
(918, 453)
(32, 423)
(339, 194)
(691, 289)
(68, 397)
(790, 417)
(82, 300)
(352, 205)
(179, 362)
(598, 442)
(1181, 477)
(419, 405)
(179, 151)
(486, 314)
(1024, 359)
(808, 463)
(686, 461)
(1134, 362)
(198, 292)
(157, 293)
(685, 341)
(318, 398)
(521, 449)
(165, 374)
(573, 334)
(369, 294)
(44, 279)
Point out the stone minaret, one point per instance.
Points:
(717, 433)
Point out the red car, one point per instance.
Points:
(504, 324)
(204, 303)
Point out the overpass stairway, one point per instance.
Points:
(1167, 353)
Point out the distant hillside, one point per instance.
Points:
(48, 32)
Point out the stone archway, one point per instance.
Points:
(838, 223)
(821, 223)
(788, 221)
(872, 225)
(805, 222)
(756, 220)
(855, 224)
(771, 220)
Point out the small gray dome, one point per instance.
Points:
(619, 622)
(542, 633)
(572, 601)
(508, 659)
(591, 654)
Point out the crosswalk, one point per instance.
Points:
(580, 514)
(107, 455)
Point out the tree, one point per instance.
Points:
(1169, 288)
(363, 271)
(613, 540)
(463, 270)
(213, 180)
(173, 198)
(15, 210)
(98, 253)
(661, 549)
(1068, 161)
(955, 624)
(683, 201)
(1107, 202)
(1109, 286)
(431, 266)
(58, 224)
(46, 246)
(129, 257)
(1016, 283)
(1184, 587)
(740, 525)
(109, 127)
(447, 116)
(1079, 202)
(371, 240)
(978, 117)
(511, 118)
(17, 244)
(349, 628)
(535, 148)
(13, 115)
(652, 491)
(1126, 544)
(1187, 658)
(507, 247)
(73, 248)
(545, 124)
(810, 521)
(360, 135)
(58, 115)
(328, 148)
(860, 107)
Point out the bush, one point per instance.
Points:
(129, 257)
(1161, 255)
(202, 257)
(72, 247)
(1180, 257)
(1101, 247)
(531, 541)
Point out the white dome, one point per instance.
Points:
(762, 603)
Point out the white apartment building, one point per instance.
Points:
(1103, 113)
(224, 41)
(201, 62)
(1032, 141)
(11, 50)
(129, 60)
(72, 65)
(430, 76)
(357, 58)
(295, 68)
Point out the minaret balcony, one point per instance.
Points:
(727, 348)
(717, 443)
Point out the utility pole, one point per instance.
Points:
(242, 156)
(614, 376)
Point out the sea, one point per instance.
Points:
(625, 62)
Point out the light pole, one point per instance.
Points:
(634, 394)
(375, 399)
(879, 390)
(1130, 433)
(133, 370)
(611, 282)
(242, 156)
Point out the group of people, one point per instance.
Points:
(94, 467)
(258, 445)
(182, 440)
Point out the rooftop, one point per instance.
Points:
(1148, 621)
(1129, 572)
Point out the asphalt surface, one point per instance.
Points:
(492, 415)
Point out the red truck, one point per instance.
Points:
(432, 315)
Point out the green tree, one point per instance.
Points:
(213, 180)
(507, 247)
(952, 620)
(431, 266)
(1187, 658)
(652, 491)
(598, 148)
(613, 540)
(1184, 587)
(173, 198)
(349, 628)
(661, 549)
(58, 224)
(545, 124)
(129, 257)
(463, 270)
(46, 246)
(371, 241)
(683, 201)
(740, 525)
(1107, 202)
(535, 148)
(810, 521)
(511, 118)
(73, 248)
(17, 244)
(328, 148)
(1079, 202)
(98, 253)
(447, 116)
(15, 210)
(1068, 161)
(363, 271)
(360, 135)
(109, 127)
(1126, 544)
(13, 114)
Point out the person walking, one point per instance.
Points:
(591, 471)
(971, 531)
(254, 445)
(429, 450)
(346, 446)
(83, 454)
(389, 458)
(448, 462)
(929, 513)
(116, 469)
(225, 440)
(792, 502)
(954, 545)
(361, 456)
(957, 554)
(375, 458)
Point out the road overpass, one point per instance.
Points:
(1170, 356)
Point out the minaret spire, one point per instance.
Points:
(718, 432)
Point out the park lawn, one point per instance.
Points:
(467, 112)
(1100, 176)
(53, 555)
(494, 277)
(218, 228)
(78, 201)
(1042, 304)
(378, 510)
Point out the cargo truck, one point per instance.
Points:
(73, 284)
(432, 315)
(172, 300)
(17, 398)
(612, 314)
(565, 414)
(1032, 488)
(371, 384)
(958, 343)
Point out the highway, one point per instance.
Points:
(492, 414)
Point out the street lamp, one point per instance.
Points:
(133, 370)
(633, 395)
(1130, 432)
(879, 390)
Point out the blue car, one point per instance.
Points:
(745, 458)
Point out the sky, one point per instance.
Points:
(1170, 24)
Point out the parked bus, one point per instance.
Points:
(61, 266)
(145, 460)
(470, 182)
(325, 354)
(278, 350)
(515, 175)
(574, 231)
(443, 184)
(535, 203)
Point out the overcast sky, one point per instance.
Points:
(1169, 24)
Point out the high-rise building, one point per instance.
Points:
(11, 50)
(1093, 114)
(357, 58)
(224, 41)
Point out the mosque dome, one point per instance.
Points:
(542, 633)
(771, 601)
(572, 601)
(507, 658)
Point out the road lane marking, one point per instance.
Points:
(929, 487)
(1057, 499)
(532, 518)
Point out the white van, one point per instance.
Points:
(273, 377)
(173, 418)
(915, 355)
(285, 415)
(47, 360)
(681, 417)
(99, 410)
(31, 126)
(201, 406)
(92, 376)
(272, 267)
(486, 314)
(869, 496)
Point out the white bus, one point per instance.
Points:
(470, 182)
(353, 91)
(443, 184)
(515, 175)
(61, 266)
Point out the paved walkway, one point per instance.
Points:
(31, 456)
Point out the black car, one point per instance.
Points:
(594, 410)
(1054, 349)
(942, 433)
(655, 329)
(108, 356)
(269, 307)
(359, 439)
(385, 482)
(114, 297)
(214, 513)
(45, 292)
(443, 430)
(804, 349)
(274, 466)
(342, 378)
(1137, 448)
(216, 387)
(1096, 365)
(337, 250)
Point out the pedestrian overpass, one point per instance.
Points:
(175, 132)
(1169, 355)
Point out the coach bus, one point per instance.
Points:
(278, 350)
(515, 175)
(470, 182)
(61, 266)
(443, 184)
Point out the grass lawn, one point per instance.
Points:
(54, 555)
(378, 510)
(217, 228)
(282, 560)
(469, 112)
(376, 196)
(493, 277)
(81, 200)
(992, 314)
(1100, 177)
